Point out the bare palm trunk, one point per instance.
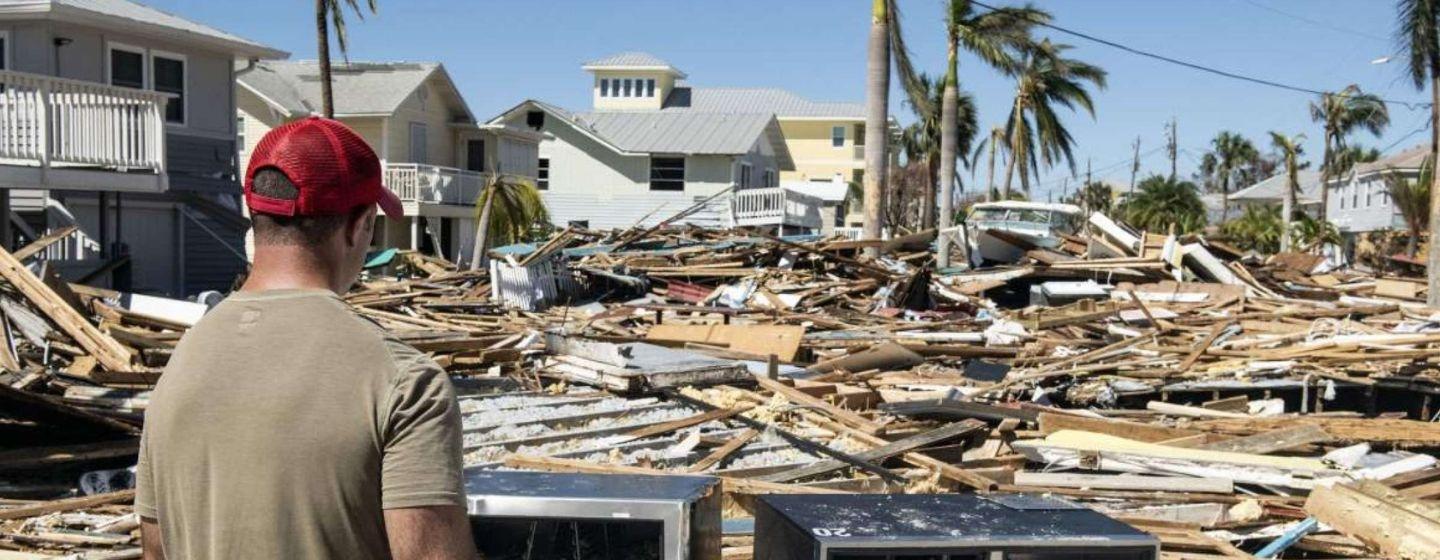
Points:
(1432, 263)
(990, 181)
(1225, 197)
(1325, 180)
(1286, 211)
(927, 203)
(949, 121)
(482, 230)
(1013, 135)
(322, 39)
(877, 100)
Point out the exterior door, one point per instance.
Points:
(475, 155)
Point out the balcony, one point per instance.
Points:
(775, 206)
(57, 133)
(427, 189)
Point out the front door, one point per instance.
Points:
(475, 155)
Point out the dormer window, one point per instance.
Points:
(604, 87)
(649, 88)
(627, 87)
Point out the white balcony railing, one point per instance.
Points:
(775, 206)
(75, 246)
(434, 184)
(47, 121)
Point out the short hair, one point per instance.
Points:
(271, 229)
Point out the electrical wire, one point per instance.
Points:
(1195, 66)
(1316, 23)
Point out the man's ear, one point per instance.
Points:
(361, 226)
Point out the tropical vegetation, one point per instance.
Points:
(1229, 152)
(1161, 203)
(508, 210)
(1411, 198)
(1290, 149)
(1045, 81)
(886, 43)
(328, 14)
(1418, 32)
(1343, 113)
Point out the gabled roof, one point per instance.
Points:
(1410, 158)
(360, 88)
(137, 18)
(670, 132)
(782, 103)
(633, 60)
(1273, 189)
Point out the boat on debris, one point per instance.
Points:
(1001, 232)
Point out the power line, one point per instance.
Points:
(1195, 66)
(1316, 23)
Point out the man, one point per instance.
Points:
(287, 426)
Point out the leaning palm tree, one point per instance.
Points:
(1045, 80)
(887, 42)
(1229, 151)
(1343, 113)
(1290, 150)
(993, 36)
(1418, 32)
(1412, 199)
(993, 142)
(508, 210)
(923, 140)
(331, 13)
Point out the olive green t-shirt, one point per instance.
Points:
(285, 424)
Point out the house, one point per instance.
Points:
(653, 145)
(1360, 200)
(434, 154)
(1271, 191)
(120, 119)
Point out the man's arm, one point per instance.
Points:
(150, 540)
(429, 533)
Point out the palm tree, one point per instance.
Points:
(922, 142)
(1229, 151)
(330, 13)
(992, 143)
(1290, 150)
(1418, 32)
(509, 209)
(1257, 228)
(1045, 79)
(1161, 202)
(1343, 113)
(992, 36)
(886, 42)
(1412, 199)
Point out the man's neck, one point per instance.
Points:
(291, 270)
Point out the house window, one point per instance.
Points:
(4, 53)
(604, 87)
(240, 132)
(627, 88)
(837, 137)
(1341, 196)
(170, 78)
(859, 135)
(770, 178)
(1354, 196)
(744, 175)
(475, 155)
(667, 173)
(649, 88)
(419, 143)
(535, 119)
(127, 67)
(542, 174)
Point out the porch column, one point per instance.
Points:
(6, 240)
(415, 233)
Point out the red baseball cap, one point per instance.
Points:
(332, 167)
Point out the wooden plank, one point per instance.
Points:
(799, 397)
(68, 504)
(1384, 521)
(1051, 423)
(1272, 441)
(667, 427)
(731, 484)
(1125, 482)
(106, 350)
(724, 451)
(761, 340)
(1204, 345)
(1173, 409)
(40, 244)
(943, 433)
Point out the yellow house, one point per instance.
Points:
(823, 139)
(434, 154)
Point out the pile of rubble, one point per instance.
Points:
(1224, 402)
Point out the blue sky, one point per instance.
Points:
(501, 52)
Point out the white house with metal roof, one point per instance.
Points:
(1271, 191)
(1360, 200)
(653, 145)
(119, 118)
(433, 153)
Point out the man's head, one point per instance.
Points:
(312, 188)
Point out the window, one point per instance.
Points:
(1369, 194)
(542, 174)
(770, 178)
(419, 143)
(4, 52)
(649, 88)
(604, 87)
(627, 88)
(837, 137)
(535, 119)
(667, 173)
(859, 135)
(475, 155)
(744, 175)
(240, 132)
(170, 78)
(127, 67)
(1354, 196)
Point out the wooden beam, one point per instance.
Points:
(667, 427)
(799, 397)
(110, 353)
(1051, 423)
(943, 433)
(731, 484)
(68, 504)
(1272, 441)
(1383, 519)
(724, 451)
(1125, 482)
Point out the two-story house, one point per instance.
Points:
(120, 119)
(433, 153)
(1359, 201)
(653, 145)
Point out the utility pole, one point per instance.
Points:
(1172, 148)
(1135, 166)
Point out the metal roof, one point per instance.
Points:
(630, 59)
(782, 103)
(1273, 189)
(687, 132)
(1410, 158)
(140, 18)
(360, 88)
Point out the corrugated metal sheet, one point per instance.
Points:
(757, 100)
(628, 59)
(1273, 189)
(679, 132)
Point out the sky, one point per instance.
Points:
(501, 52)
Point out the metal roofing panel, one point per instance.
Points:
(757, 100)
(628, 59)
(140, 13)
(678, 132)
(1273, 189)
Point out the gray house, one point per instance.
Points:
(120, 119)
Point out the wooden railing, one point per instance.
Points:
(46, 121)
(419, 182)
(775, 206)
